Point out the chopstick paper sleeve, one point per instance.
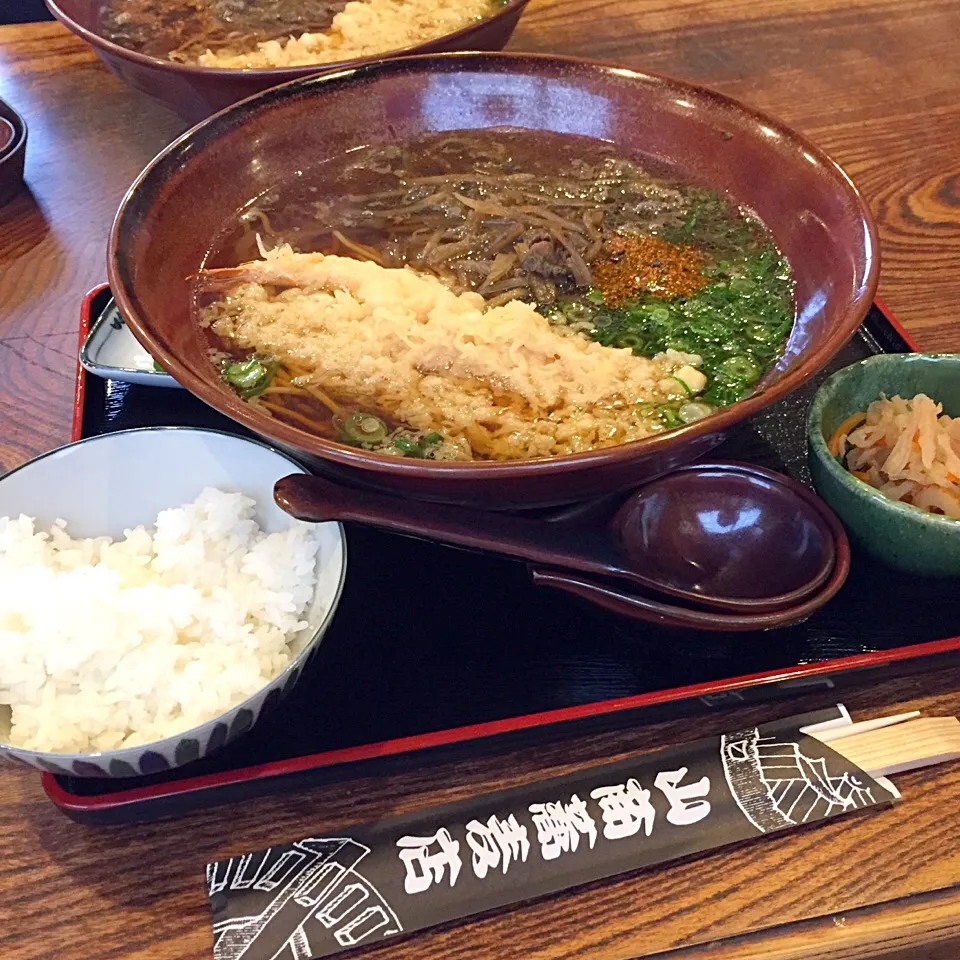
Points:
(325, 894)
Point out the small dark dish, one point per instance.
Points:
(196, 92)
(13, 151)
(176, 208)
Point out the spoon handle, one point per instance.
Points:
(577, 547)
(638, 607)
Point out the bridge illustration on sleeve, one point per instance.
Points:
(301, 900)
(776, 785)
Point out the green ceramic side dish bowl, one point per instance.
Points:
(900, 535)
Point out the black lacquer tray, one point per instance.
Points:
(437, 648)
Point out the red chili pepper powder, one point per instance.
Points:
(634, 264)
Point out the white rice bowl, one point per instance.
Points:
(139, 653)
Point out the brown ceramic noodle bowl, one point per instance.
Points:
(180, 202)
(195, 92)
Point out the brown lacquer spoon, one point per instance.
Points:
(726, 536)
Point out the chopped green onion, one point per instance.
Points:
(249, 377)
(680, 343)
(670, 418)
(736, 324)
(407, 447)
(763, 332)
(364, 428)
(740, 368)
(431, 438)
(690, 412)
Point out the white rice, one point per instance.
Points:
(109, 644)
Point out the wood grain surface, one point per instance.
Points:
(875, 82)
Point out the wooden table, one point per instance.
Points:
(875, 82)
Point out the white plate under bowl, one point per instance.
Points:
(109, 483)
(111, 351)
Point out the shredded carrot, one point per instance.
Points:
(848, 425)
(861, 474)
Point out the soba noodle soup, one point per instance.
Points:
(260, 34)
(498, 295)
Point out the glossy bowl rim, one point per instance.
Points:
(471, 471)
(195, 70)
(296, 662)
(15, 137)
(19, 140)
(859, 488)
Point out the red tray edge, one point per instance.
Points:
(71, 802)
(479, 731)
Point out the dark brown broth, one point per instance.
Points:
(341, 194)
